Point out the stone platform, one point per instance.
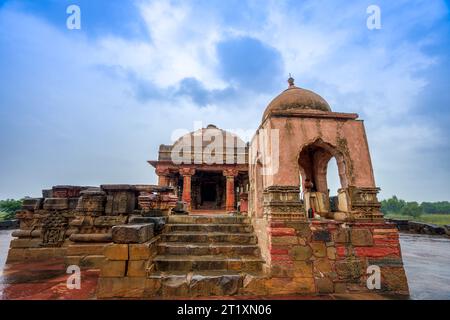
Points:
(46, 280)
(145, 251)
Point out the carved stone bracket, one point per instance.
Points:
(283, 203)
(54, 228)
(364, 203)
(187, 171)
(230, 173)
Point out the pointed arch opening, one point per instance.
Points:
(314, 164)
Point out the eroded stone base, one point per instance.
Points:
(325, 257)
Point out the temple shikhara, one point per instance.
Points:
(229, 217)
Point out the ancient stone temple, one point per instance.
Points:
(194, 234)
(208, 169)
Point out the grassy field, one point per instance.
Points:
(2, 215)
(439, 219)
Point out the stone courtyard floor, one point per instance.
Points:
(46, 280)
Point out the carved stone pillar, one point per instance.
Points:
(364, 204)
(283, 203)
(230, 174)
(163, 176)
(187, 173)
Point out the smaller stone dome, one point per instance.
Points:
(296, 98)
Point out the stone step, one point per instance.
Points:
(208, 219)
(182, 248)
(209, 227)
(209, 237)
(213, 262)
(199, 283)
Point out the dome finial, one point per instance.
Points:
(291, 81)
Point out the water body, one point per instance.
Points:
(426, 260)
(427, 265)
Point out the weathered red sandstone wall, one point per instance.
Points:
(331, 257)
(348, 136)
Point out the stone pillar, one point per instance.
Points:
(163, 176)
(187, 173)
(244, 202)
(283, 203)
(230, 174)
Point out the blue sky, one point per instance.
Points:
(90, 106)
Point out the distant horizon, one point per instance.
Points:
(90, 106)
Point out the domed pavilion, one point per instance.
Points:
(208, 168)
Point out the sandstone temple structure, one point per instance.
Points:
(229, 217)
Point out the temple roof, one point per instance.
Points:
(295, 98)
(212, 140)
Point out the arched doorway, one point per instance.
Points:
(314, 160)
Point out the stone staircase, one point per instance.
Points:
(204, 255)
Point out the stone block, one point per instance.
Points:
(47, 193)
(300, 252)
(32, 204)
(212, 285)
(121, 199)
(331, 253)
(302, 228)
(175, 285)
(340, 287)
(56, 204)
(322, 266)
(116, 252)
(321, 235)
(394, 279)
(282, 269)
(91, 237)
(123, 287)
(132, 233)
(28, 233)
(113, 269)
(15, 254)
(342, 235)
(285, 240)
(109, 221)
(159, 222)
(25, 243)
(319, 249)
(361, 237)
(137, 268)
(92, 201)
(72, 260)
(66, 191)
(253, 285)
(117, 187)
(350, 269)
(286, 286)
(303, 269)
(324, 285)
(152, 287)
(377, 252)
(142, 251)
(92, 262)
(279, 232)
(387, 262)
(85, 249)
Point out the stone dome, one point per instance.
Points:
(295, 98)
(206, 134)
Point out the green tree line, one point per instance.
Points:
(414, 209)
(8, 208)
